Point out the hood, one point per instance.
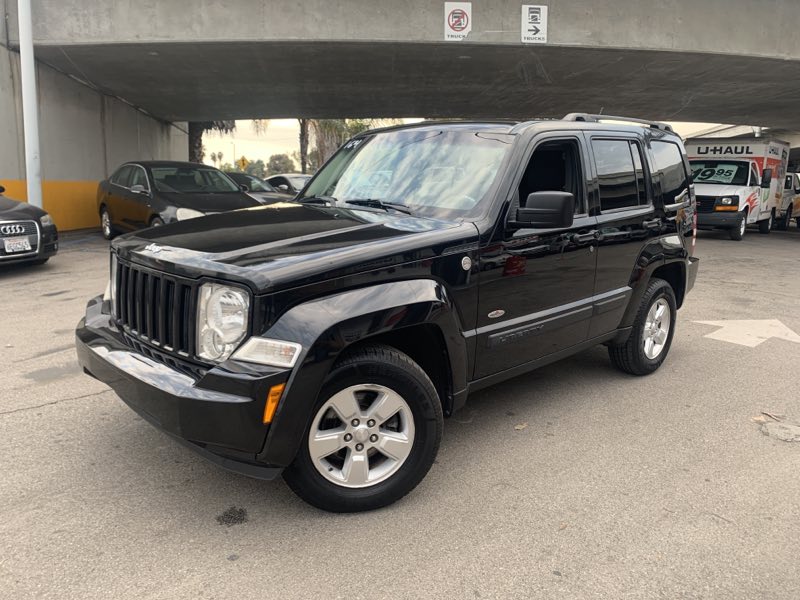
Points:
(210, 202)
(289, 244)
(718, 190)
(11, 210)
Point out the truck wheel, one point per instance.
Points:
(786, 221)
(651, 336)
(737, 233)
(765, 226)
(374, 433)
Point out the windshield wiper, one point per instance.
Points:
(375, 203)
(326, 200)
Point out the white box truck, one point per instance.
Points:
(738, 182)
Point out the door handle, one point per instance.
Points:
(582, 238)
(652, 224)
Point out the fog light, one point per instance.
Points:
(276, 353)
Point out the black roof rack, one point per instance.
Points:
(598, 118)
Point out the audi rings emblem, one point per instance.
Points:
(12, 229)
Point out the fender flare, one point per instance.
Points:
(658, 253)
(326, 326)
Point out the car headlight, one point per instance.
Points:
(188, 213)
(730, 201)
(222, 313)
(46, 221)
(275, 353)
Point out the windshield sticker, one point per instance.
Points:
(720, 173)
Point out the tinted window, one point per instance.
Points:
(122, 175)
(192, 180)
(554, 167)
(669, 163)
(616, 174)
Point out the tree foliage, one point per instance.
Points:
(280, 163)
(196, 131)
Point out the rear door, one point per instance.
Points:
(115, 198)
(626, 219)
(535, 295)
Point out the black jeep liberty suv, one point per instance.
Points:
(325, 338)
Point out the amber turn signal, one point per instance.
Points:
(726, 208)
(273, 397)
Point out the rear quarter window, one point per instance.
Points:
(668, 162)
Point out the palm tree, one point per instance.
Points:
(214, 158)
(219, 158)
(196, 131)
(303, 144)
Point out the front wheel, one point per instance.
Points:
(765, 226)
(105, 223)
(786, 222)
(737, 233)
(156, 222)
(651, 336)
(374, 435)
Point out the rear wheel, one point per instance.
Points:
(786, 221)
(156, 222)
(651, 336)
(374, 435)
(105, 224)
(737, 233)
(765, 226)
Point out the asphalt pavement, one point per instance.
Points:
(574, 481)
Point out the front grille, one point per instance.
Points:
(705, 204)
(17, 229)
(156, 308)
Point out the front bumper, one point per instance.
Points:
(692, 266)
(722, 220)
(48, 246)
(218, 414)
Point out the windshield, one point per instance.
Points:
(720, 172)
(192, 180)
(442, 174)
(256, 185)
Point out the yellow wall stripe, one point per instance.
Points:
(72, 204)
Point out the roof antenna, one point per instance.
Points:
(601, 110)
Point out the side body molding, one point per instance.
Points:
(327, 326)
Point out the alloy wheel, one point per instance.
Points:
(656, 328)
(361, 436)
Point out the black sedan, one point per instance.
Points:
(291, 183)
(152, 193)
(27, 233)
(258, 188)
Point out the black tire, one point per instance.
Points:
(786, 221)
(630, 357)
(737, 233)
(765, 226)
(797, 222)
(156, 222)
(105, 224)
(385, 366)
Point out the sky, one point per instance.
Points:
(281, 137)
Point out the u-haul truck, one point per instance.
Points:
(738, 182)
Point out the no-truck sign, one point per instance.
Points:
(457, 20)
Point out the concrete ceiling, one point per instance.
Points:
(232, 80)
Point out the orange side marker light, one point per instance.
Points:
(273, 397)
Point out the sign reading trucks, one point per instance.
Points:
(738, 182)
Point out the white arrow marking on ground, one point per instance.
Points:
(750, 333)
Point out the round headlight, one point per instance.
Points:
(222, 314)
(727, 201)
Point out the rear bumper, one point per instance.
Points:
(692, 266)
(218, 414)
(723, 220)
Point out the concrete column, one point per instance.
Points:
(30, 112)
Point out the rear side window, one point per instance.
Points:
(620, 174)
(669, 163)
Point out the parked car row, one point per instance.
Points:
(153, 193)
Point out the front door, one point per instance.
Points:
(536, 285)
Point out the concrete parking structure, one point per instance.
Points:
(600, 486)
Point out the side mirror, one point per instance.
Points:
(283, 187)
(546, 210)
(244, 187)
(2, 189)
(139, 189)
(766, 178)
